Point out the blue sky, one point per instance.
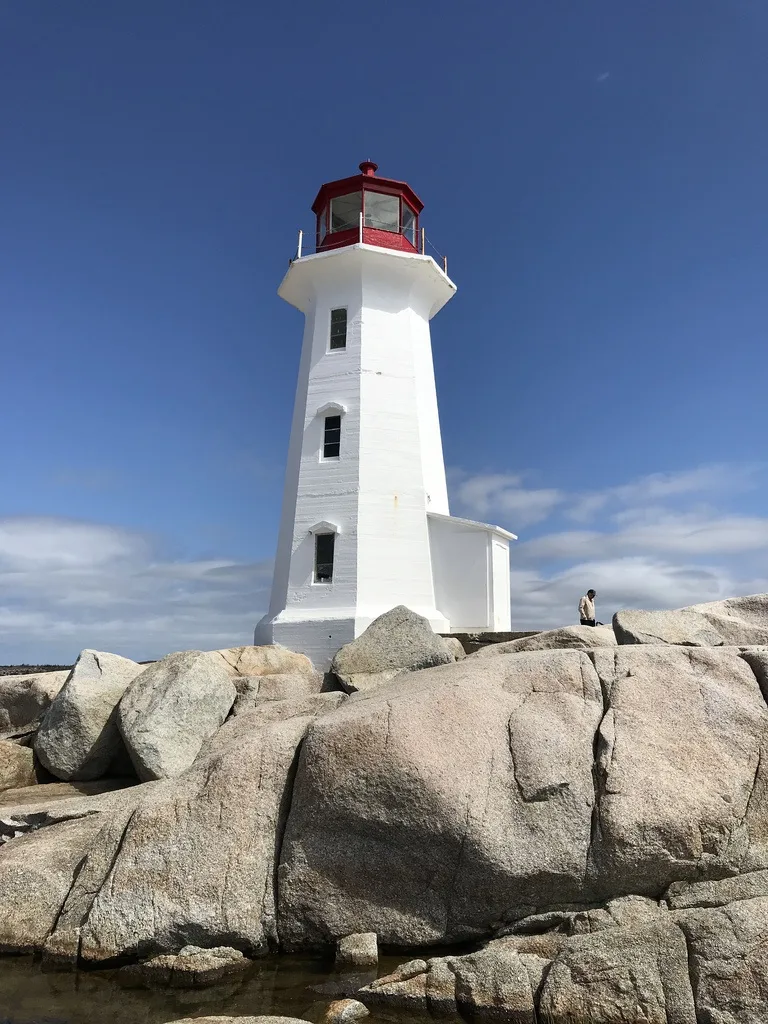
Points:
(595, 172)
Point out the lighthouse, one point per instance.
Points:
(365, 521)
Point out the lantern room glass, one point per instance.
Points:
(409, 224)
(345, 211)
(382, 211)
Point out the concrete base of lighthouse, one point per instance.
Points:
(321, 638)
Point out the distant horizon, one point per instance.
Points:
(595, 174)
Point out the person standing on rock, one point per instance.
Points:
(587, 609)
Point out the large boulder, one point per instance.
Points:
(17, 766)
(446, 803)
(741, 621)
(683, 628)
(171, 709)
(680, 778)
(622, 975)
(566, 638)
(433, 807)
(78, 738)
(24, 700)
(193, 862)
(397, 641)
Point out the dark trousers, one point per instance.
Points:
(587, 622)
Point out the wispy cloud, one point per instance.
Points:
(660, 541)
(504, 493)
(67, 584)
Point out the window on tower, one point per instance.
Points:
(382, 211)
(345, 211)
(322, 221)
(338, 328)
(325, 544)
(409, 224)
(332, 437)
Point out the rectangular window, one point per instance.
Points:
(345, 211)
(409, 224)
(324, 546)
(338, 328)
(321, 226)
(332, 437)
(382, 211)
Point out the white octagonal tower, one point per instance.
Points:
(365, 522)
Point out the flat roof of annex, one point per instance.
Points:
(368, 180)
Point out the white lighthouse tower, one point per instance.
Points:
(365, 522)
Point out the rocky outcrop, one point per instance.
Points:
(24, 699)
(604, 965)
(17, 766)
(194, 861)
(621, 974)
(78, 738)
(600, 814)
(567, 638)
(191, 967)
(680, 771)
(684, 628)
(36, 873)
(443, 801)
(727, 962)
(398, 641)
(493, 984)
(171, 709)
(738, 622)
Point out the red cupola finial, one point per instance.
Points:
(369, 168)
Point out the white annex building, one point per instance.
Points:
(365, 523)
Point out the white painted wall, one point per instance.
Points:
(470, 563)
(501, 607)
(391, 465)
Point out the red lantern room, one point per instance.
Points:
(365, 208)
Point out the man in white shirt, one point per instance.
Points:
(587, 609)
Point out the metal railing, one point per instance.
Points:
(307, 248)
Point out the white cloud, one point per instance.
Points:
(503, 494)
(661, 541)
(544, 602)
(27, 542)
(685, 534)
(66, 585)
(718, 479)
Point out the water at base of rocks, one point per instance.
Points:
(280, 985)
